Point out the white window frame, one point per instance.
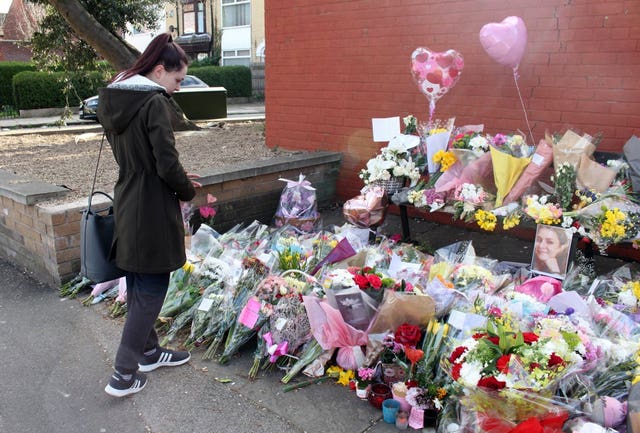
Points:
(235, 3)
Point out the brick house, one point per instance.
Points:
(332, 66)
(18, 21)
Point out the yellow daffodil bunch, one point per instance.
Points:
(486, 220)
(510, 221)
(445, 159)
(344, 376)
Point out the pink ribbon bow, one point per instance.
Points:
(301, 182)
(275, 350)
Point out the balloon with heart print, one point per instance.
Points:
(506, 41)
(435, 72)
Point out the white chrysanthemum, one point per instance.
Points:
(341, 277)
(417, 198)
(626, 297)
(470, 373)
(479, 142)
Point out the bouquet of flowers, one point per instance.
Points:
(542, 211)
(510, 376)
(253, 271)
(255, 313)
(510, 155)
(469, 145)
(393, 161)
(434, 138)
(613, 225)
(467, 198)
(427, 198)
(565, 182)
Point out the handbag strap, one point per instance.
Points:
(95, 174)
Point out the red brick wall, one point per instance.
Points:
(333, 65)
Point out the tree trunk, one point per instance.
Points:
(111, 47)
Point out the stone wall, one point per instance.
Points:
(44, 238)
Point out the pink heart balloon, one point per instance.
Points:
(505, 42)
(436, 73)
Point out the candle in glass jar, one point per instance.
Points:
(402, 420)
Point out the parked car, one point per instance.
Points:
(89, 106)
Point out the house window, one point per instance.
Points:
(193, 17)
(236, 13)
(236, 57)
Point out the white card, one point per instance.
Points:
(537, 159)
(384, 129)
(206, 304)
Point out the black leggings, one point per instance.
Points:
(145, 296)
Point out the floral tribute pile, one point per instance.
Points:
(463, 343)
(501, 181)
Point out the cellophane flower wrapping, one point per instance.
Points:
(367, 209)
(298, 206)
(253, 271)
(510, 156)
(397, 308)
(434, 137)
(331, 331)
(611, 219)
(254, 314)
(570, 147)
(541, 159)
(208, 305)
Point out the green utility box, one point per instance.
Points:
(201, 103)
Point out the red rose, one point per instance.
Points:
(457, 353)
(408, 335)
(529, 425)
(494, 340)
(374, 280)
(361, 281)
(530, 337)
(367, 269)
(502, 364)
(455, 371)
(555, 360)
(478, 335)
(533, 366)
(491, 383)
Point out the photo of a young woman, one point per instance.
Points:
(551, 251)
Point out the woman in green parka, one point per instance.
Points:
(148, 244)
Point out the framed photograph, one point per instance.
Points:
(553, 251)
(353, 308)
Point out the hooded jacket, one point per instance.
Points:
(149, 232)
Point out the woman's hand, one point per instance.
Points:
(192, 177)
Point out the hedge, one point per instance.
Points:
(236, 79)
(46, 89)
(7, 71)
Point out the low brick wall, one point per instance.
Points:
(44, 239)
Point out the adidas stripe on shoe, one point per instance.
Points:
(163, 358)
(118, 386)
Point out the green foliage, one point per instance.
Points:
(236, 79)
(50, 89)
(7, 71)
(71, 52)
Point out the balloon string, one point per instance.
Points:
(515, 78)
(432, 108)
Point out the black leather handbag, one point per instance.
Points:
(96, 236)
